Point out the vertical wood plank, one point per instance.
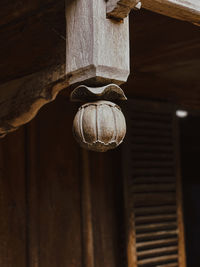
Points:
(33, 245)
(130, 239)
(107, 212)
(181, 228)
(12, 201)
(86, 204)
(54, 189)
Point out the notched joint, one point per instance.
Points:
(120, 9)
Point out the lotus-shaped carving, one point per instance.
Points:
(99, 126)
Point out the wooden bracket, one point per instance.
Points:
(120, 9)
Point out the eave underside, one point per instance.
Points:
(165, 59)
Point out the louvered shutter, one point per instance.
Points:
(155, 235)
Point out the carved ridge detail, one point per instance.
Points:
(110, 92)
(30, 94)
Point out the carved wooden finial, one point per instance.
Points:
(97, 52)
(99, 125)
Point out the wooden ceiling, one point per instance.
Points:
(165, 59)
(32, 36)
(165, 52)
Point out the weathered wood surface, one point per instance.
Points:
(167, 68)
(32, 52)
(21, 99)
(97, 48)
(188, 10)
(119, 9)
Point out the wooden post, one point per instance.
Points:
(97, 48)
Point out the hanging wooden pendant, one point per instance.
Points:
(99, 125)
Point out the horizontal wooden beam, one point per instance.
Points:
(187, 10)
(21, 99)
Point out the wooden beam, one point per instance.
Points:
(188, 10)
(119, 9)
(21, 99)
(97, 48)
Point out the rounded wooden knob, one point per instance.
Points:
(99, 126)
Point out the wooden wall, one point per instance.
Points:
(42, 181)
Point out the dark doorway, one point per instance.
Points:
(190, 163)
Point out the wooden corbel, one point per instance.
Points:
(97, 58)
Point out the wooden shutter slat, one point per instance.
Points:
(158, 251)
(151, 199)
(155, 210)
(152, 171)
(158, 260)
(156, 243)
(155, 218)
(172, 265)
(155, 226)
(153, 188)
(151, 164)
(151, 156)
(152, 179)
(151, 132)
(149, 116)
(151, 148)
(154, 235)
(152, 125)
(155, 141)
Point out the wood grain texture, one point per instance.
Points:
(74, 197)
(107, 208)
(54, 199)
(86, 210)
(22, 98)
(179, 9)
(120, 9)
(13, 210)
(97, 48)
